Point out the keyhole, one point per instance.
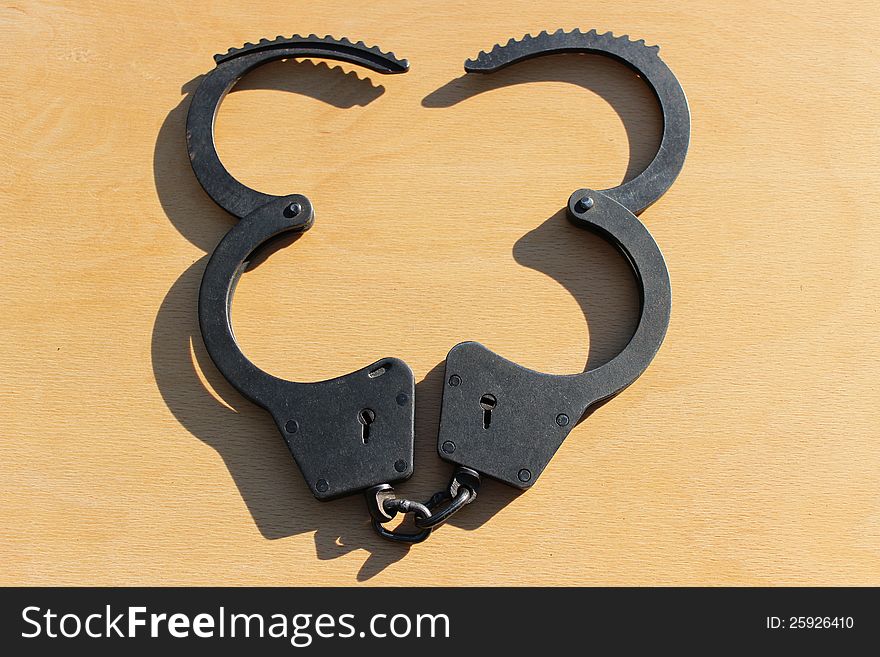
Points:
(366, 417)
(487, 403)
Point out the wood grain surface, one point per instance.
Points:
(747, 454)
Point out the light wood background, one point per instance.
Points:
(747, 454)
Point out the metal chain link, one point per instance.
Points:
(384, 505)
(465, 496)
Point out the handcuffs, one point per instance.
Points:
(355, 433)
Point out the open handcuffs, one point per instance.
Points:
(355, 433)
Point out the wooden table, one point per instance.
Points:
(747, 454)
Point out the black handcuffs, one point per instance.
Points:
(355, 433)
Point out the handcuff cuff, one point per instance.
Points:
(355, 433)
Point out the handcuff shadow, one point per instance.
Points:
(592, 270)
(197, 395)
(616, 83)
(602, 283)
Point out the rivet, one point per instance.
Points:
(584, 204)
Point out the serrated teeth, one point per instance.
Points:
(545, 40)
(280, 41)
